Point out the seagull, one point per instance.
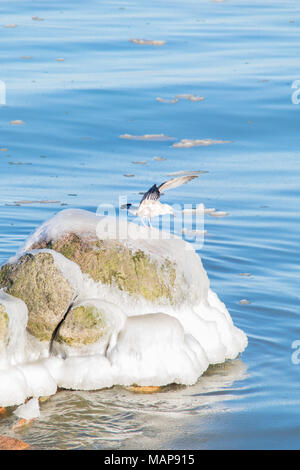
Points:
(150, 205)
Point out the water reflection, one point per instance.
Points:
(117, 418)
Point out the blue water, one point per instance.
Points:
(242, 56)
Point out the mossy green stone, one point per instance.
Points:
(36, 280)
(83, 325)
(111, 262)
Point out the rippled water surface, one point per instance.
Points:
(242, 56)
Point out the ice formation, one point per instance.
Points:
(29, 410)
(188, 97)
(158, 137)
(148, 42)
(218, 214)
(17, 122)
(187, 143)
(169, 339)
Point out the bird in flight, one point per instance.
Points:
(150, 205)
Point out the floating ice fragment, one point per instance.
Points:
(29, 410)
(37, 18)
(163, 100)
(187, 143)
(200, 208)
(37, 202)
(245, 274)
(147, 42)
(159, 159)
(218, 214)
(19, 163)
(190, 97)
(147, 137)
(17, 122)
(10, 26)
(142, 162)
(244, 302)
(209, 210)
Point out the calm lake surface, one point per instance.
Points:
(242, 56)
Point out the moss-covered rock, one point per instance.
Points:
(36, 280)
(84, 324)
(4, 332)
(113, 263)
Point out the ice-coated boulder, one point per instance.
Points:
(112, 262)
(132, 306)
(136, 260)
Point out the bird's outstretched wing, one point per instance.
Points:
(154, 192)
(174, 182)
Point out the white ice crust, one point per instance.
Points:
(146, 343)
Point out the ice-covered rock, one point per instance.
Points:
(113, 263)
(131, 305)
(124, 255)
